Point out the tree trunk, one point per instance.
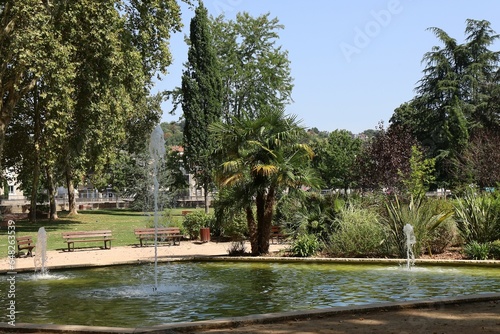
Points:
(34, 190)
(71, 193)
(205, 193)
(3, 127)
(265, 205)
(252, 229)
(52, 196)
(36, 156)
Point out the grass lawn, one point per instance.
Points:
(121, 222)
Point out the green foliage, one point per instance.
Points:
(479, 163)
(419, 213)
(194, 221)
(442, 237)
(454, 96)
(335, 157)
(305, 245)
(309, 212)
(84, 86)
(477, 251)
(478, 217)
(201, 100)
(255, 68)
(262, 159)
(421, 173)
(358, 234)
(229, 217)
(173, 133)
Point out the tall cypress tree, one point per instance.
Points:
(201, 100)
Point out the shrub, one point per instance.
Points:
(359, 233)
(230, 221)
(235, 228)
(478, 217)
(194, 221)
(495, 250)
(308, 213)
(477, 251)
(305, 245)
(442, 237)
(446, 234)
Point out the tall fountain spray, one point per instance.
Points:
(157, 152)
(41, 252)
(410, 241)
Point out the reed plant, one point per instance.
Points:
(478, 217)
(420, 213)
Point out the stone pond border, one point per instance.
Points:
(268, 317)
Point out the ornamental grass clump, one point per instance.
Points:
(477, 250)
(420, 213)
(478, 217)
(358, 234)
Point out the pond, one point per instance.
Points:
(123, 296)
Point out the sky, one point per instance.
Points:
(353, 61)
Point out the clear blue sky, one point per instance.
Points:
(353, 61)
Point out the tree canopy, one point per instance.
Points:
(77, 76)
(454, 96)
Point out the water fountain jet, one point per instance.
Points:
(410, 241)
(157, 152)
(41, 252)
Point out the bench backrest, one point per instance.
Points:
(275, 229)
(26, 240)
(171, 230)
(87, 234)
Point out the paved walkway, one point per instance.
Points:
(123, 255)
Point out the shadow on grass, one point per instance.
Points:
(117, 212)
(54, 225)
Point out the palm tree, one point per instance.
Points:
(262, 159)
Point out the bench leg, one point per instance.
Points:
(69, 246)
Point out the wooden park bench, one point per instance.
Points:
(164, 234)
(277, 234)
(87, 236)
(23, 243)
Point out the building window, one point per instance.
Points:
(11, 190)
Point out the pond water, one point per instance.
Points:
(123, 296)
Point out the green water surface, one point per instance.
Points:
(188, 291)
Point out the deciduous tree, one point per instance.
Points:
(335, 158)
